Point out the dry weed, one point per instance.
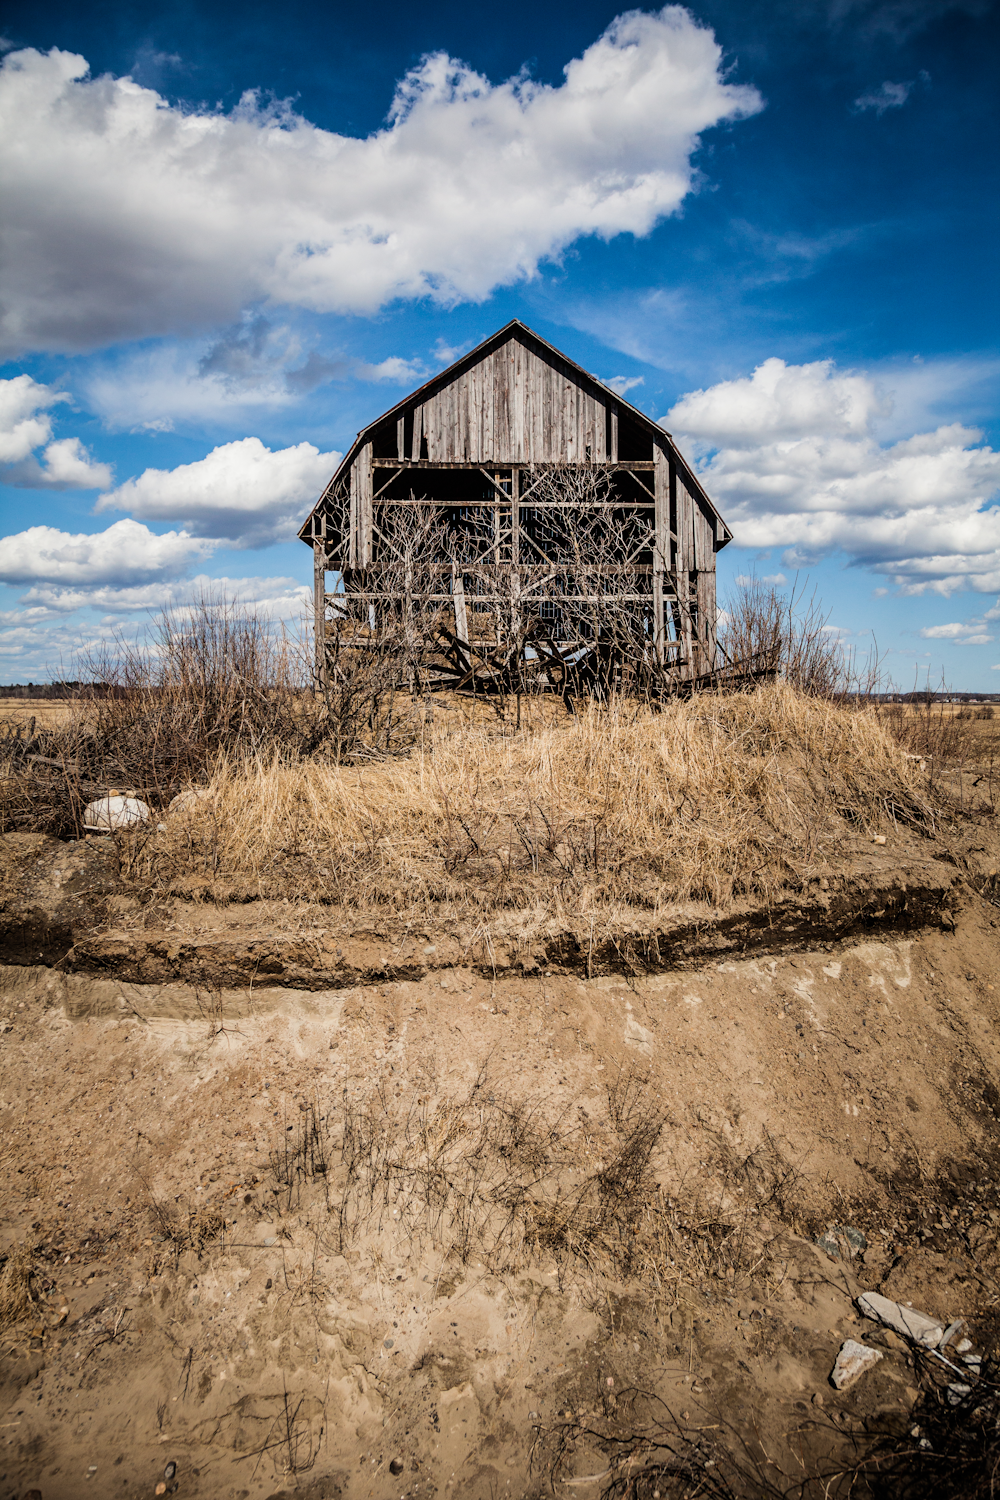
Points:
(713, 798)
(507, 1181)
(16, 1296)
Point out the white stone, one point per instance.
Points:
(913, 1325)
(109, 813)
(853, 1361)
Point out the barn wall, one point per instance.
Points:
(512, 407)
(515, 406)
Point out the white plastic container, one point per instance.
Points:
(109, 813)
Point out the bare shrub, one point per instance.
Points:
(212, 681)
(764, 631)
(377, 633)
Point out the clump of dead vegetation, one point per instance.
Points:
(947, 1448)
(489, 1176)
(17, 1297)
(374, 796)
(717, 797)
(209, 682)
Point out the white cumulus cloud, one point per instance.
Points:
(26, 426)
(241, 491)
(790, 455)
(125, 216)
(124, 555)
(280, 598)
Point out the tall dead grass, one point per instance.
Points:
(713, 798)
(209, 681)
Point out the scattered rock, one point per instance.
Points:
(957, 1393)
(169, 1472)
(951, 1331)
(963, 1346)
(842, 1242)
(396, 1466)
(109, 813)
(913, 1325)
(853, 1361)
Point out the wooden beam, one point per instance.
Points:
(636, 466)
(458, 594)
(319, 611)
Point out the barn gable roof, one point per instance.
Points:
(516, 329)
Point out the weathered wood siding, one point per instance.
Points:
(512, 406)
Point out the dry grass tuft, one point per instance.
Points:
(16, 1297)
(713, 798)
(508, 1180)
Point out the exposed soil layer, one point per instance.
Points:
(69, 904)
(208, 1116)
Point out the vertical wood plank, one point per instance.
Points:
(401, 437)
(661, 548)
(363, 465)
(353, 552)
(319, 611)
(613, 451)
(461, 614)
(418, 432)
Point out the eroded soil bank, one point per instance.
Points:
(455, 1228)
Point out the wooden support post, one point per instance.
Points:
(319, 609)
(685, 564)
(515, 553)
(461, 615)
(661, 548)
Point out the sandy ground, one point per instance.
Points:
(269, 1249)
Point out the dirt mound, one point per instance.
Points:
(478, 1227)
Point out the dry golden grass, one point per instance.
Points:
(713, 798)
(48, 713)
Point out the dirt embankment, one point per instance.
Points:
(392, 1214)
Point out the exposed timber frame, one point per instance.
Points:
(507, 460)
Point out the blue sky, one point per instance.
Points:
(229, 241)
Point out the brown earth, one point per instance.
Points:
(407, 1211)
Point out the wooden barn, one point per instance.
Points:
(531, 513)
